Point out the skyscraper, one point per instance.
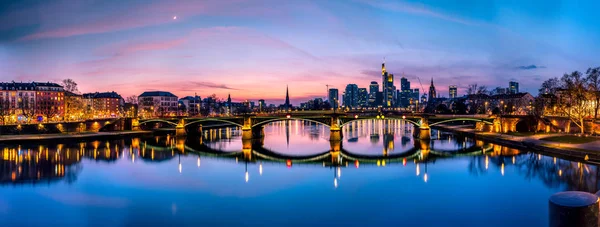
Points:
(405, 92)
(432, 93)
(351, 96)
(287, 105)
(373, 89)
(363, 96)
(261, 105)
(513, 87)
(453, 91)
(333, 97)
(389, 91)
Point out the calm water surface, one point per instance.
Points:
(289, 178)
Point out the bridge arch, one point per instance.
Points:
(417, 124)
(523, 126)
(212, 120)
(462, 119)
(263, 123)
(157, 120)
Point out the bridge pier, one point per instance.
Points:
(180, 128)
(135, 124)
(423, 132)
(335, 131)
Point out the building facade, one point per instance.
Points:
(363, 97)
(103, 104)
(157, 104)
(34, 101)
(190, 105)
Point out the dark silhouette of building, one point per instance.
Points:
(333, 97)
(287, 105)
(229, 107)
(351, 96)
(513, 87)
(373, 89)
(432, 93)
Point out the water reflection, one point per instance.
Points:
(366, 144)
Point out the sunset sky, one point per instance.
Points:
(253, 48)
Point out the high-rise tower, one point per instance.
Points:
(388, 88)
(453, 92)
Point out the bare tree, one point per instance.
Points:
(148, 106)
(550, 86)
(132, 99)
(573, 99)
(70, 86)
(482, 90)
(593, 81)
(4, 110)
(472, 89)
(28, 107)
(48, 107)
(73, 105)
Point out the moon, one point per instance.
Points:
(174, 17)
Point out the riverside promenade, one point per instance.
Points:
(538, 142)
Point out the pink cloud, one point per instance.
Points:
(134, 17)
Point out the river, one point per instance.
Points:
(380, 176)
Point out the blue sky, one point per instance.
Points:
(251, 49)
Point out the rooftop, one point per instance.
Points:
(157, 93)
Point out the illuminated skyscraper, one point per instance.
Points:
(453, 91)
(363, 96)
(261, 105)
(388, 88)
(373, 89)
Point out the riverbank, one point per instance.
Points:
(534, 142)
(69, 136)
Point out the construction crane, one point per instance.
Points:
(327, 92)
(422, 89)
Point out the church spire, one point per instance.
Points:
(287, 98)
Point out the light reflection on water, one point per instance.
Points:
(164, 180)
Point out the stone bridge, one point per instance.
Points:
(252, 125)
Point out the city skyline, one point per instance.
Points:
(251, 49)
